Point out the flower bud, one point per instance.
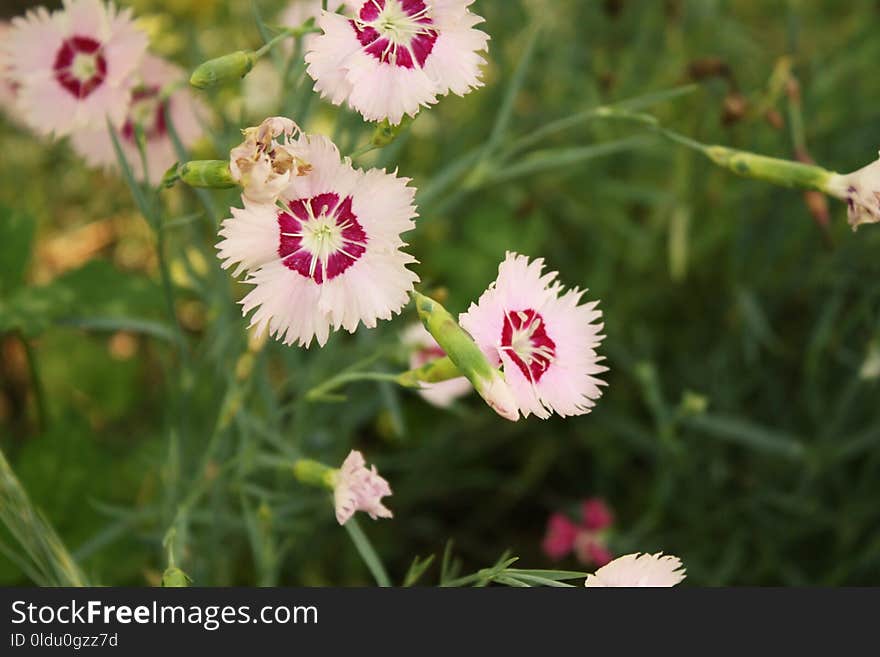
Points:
(229, 67)
(774, 170)
(467, 357)
(175, 578)
(206, 173)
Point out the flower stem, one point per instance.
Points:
(306, 28)
(36, 383)
(435, 371)
(367, 552)
(786, 173)
(324, 390)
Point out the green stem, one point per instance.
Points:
(306, 28)
(363, 150)
(367, 552)
(323, 390)
(435, 371)
(785, 173)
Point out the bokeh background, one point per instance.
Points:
(739, 429)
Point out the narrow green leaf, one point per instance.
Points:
(748, 434)
(417, 569)
(368, 554)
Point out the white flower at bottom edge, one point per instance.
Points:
(329, 254)
(639, 570)
(545, 341)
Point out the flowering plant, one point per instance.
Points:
(294, 287)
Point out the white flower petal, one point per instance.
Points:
(639, 570)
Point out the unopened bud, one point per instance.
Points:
(467, 356)
(206, 173)
(175, 578)
(316, 474)
(233, 66)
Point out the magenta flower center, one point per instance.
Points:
(320, 237)
(148, 111)
(396, 32)
(524, 339)
(80, 66)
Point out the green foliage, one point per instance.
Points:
(739, 427)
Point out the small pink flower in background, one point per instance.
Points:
(152, 112)
(644, 570)
(264, 164)
(329, 254)
(560, 536)
(388, 58)
(423, 350)
(358, 488)
(586, 539)
(589, 549)
(73, 67)
(544, 340)
(596, 514)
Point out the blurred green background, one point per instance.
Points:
(739, 429)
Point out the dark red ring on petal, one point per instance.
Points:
(297, 258)
(64, 59)
(520, 320)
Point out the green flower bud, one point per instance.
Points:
(467, 356)
(770, 169)
(316, 474)
(229, 67)
(206, 173)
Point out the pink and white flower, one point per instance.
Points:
(388, 58)
(266, 161)
(423, 349)
(328, 255)
(634, 570)
(358, 488)
(544, 340)
(150, 110)
(74, 66)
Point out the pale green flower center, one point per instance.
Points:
(84, 66)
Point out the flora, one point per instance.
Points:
(313, 225)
